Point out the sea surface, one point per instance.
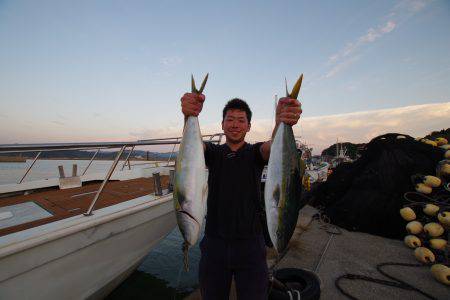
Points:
(161, 274)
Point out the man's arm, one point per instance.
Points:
(288, 111)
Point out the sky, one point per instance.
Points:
(75, 71)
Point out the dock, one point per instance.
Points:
(355, 253)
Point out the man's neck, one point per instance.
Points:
(234, 146)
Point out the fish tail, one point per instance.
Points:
(296, 88)
(185, 256)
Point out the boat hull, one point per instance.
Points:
(84, 256)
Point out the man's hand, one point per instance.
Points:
(288, 111)
(192, 104)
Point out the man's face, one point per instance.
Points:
(235, 125)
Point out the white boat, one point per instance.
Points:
(83, 257)
(71, 243)
(317, 172)
(341, 155)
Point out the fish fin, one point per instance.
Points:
(179, 199)
(205, 192)
(296, 88)
(177, 205)
(287, 91)
(193, 88)
(202, 87)
(276, 195)
(185, 256)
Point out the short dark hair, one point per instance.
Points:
(239, 104)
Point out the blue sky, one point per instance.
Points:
(115, 70)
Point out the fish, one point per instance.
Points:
(190, 182)
(283, 184)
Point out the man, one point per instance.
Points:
(233, 245)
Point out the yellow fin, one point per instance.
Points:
(296, 88)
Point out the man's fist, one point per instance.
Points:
(192, 104)
(288, 111)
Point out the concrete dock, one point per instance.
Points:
(356, 253)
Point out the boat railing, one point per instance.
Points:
(97, 146)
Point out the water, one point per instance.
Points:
(43, 169)
(161, 274)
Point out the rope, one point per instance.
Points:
(427, 199)
(447, 187)
(332, 230)
(397, 283)
(178, 283)
(272, 269)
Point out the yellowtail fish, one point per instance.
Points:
(283, 186)
(190, 184)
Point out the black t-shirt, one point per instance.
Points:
(234, 191)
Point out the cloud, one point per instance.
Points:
(410, 6)
(322, 131)
(154, 133)
(388, 27)
(341, 66)
(171, 61)
(351, 52)
(361, 127)
(58, 123)
(371, 36)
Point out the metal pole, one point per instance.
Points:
(173, 150)
(29, 168)
(90, 162)
(105, 181)
(126, 160)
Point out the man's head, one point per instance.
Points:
(236, 119)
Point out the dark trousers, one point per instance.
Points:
(245, 260)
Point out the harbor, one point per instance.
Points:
(224, 150)
(316, 245)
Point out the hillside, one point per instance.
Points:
(102, 155)
(352, 149)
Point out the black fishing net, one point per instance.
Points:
(366, 195)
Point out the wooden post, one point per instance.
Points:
(157, 184)
(171, 179)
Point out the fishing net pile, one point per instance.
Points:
(366, 195)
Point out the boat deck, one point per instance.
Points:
(61, 204)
